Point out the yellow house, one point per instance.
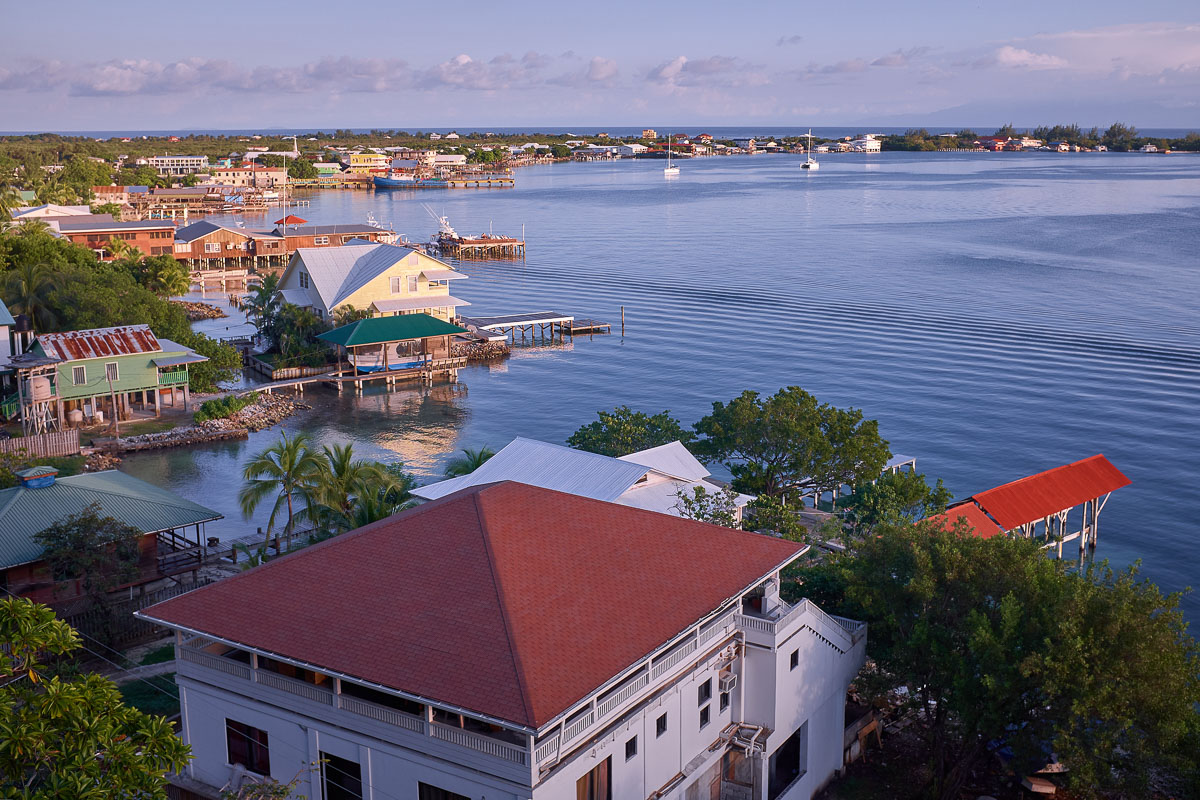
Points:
(361, 163)
(384, 279)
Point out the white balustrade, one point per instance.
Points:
(474, 741)
(547, 749)
(624, 694)
(382, 713)
(578, 726)
(216, 662)
(301, 688)
(661, 665)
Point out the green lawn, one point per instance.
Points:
(158, 695)
(159, 654)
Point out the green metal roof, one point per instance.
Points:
(389, 329)
(25, 511)
(6, 317)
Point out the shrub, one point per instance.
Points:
(224, 407)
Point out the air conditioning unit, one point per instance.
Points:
(727, 682)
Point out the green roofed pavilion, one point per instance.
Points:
(378, 330)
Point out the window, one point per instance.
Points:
(597, 784)
(794, 661)
(397, 285)
(302, 278)
(248, 747)
(342, 778)
(724, 700)
(788, 763)
(631, 748)
(705, 716)
(212, 247)
(660, 726)
(704, 692)
(427, 792)
(79, 375)
(320, 240)
(412, 284)
(112, 372)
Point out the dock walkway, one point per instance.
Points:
(548, 324)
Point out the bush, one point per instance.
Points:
(224, 407)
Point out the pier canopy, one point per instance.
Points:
(982, 525)
(1047, 493)
(388, 344)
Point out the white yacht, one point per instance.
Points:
(670, 171)
(809, 162)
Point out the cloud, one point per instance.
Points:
(784, 41)
(899, 58)
(710, 73)
(668, 71)
(602, 69)
(601, 72)
(1017, 58)
(501, 72)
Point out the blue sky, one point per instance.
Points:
(125, 65)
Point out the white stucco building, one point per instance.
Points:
(513, 642)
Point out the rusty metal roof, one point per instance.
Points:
(1038, 496)
(123, 340)
(981, 524)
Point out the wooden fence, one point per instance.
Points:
(116, 626)
(43, 445)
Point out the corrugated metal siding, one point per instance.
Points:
(24, 512)
(1038, 496)
(100, 342)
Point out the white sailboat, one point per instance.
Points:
(809, 162)
(670, 171)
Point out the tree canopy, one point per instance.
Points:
(71, 739)
(623, 431)
(1004, 648)
(98, 551)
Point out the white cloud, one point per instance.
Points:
(1017, 58)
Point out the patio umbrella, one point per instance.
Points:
(290, 219)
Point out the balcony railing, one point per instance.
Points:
(457, 736)
(173, 377)
(840, 632)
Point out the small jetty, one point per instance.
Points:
(484, 246)
(537, 324)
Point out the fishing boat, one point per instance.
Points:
(809, 162)
(394, 179)
(670, 171)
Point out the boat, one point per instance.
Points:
(809, 162)
(394, 180)
(670, 171)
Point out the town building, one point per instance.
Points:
(151, 237)
(513, 642)
(649, 479)
(867, 143)
(48, 210)
(327, 167)
(384, 278)
(172, 527)
(649, 133)
(93, 370)
(208, 246)
(631, 150)
(249, 175)
(178, 165)
(363, 163)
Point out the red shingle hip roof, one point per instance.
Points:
(508, 600)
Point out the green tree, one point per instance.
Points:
(1006, 130)
(623, 431)
(28, 290)
(112, 209)
(899, 497)
(718, 507)
(289, 470)
(222, 366)
(301, 169)
(771, 445)
(770, 515)
(1120, 137)
(100, 552)
(853, 452)
(560, 151)
(262, 307)
(344, 480)
(164, 276)
(469, 461)
(71, 739)
(1003, 647)
(347, 315)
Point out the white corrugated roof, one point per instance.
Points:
(670, 459)
(442, 275)
(422, 301)
(296, 297)
(338, 272)
(549, 466)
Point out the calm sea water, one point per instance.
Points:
(999, 315)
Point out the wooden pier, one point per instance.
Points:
(341, 379)
(540, 324)
(479, 181)
(484, 246)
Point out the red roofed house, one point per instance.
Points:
(508, 641)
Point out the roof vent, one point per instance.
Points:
(37, 477)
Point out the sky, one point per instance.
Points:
(132, 64)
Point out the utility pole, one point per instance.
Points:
(116, 411)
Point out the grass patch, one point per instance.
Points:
(224, 407)
(146, 426)
(158, 695)
(159, 654)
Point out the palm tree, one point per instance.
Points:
(166, 277)
(345, 480)
(27, 291)
(9, 200)
(290, 470)
(123, 249)
(369, 508)
(469, 461)
(262, 307)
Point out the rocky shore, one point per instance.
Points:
(481, 351)
(269, 410)
(198, 311)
